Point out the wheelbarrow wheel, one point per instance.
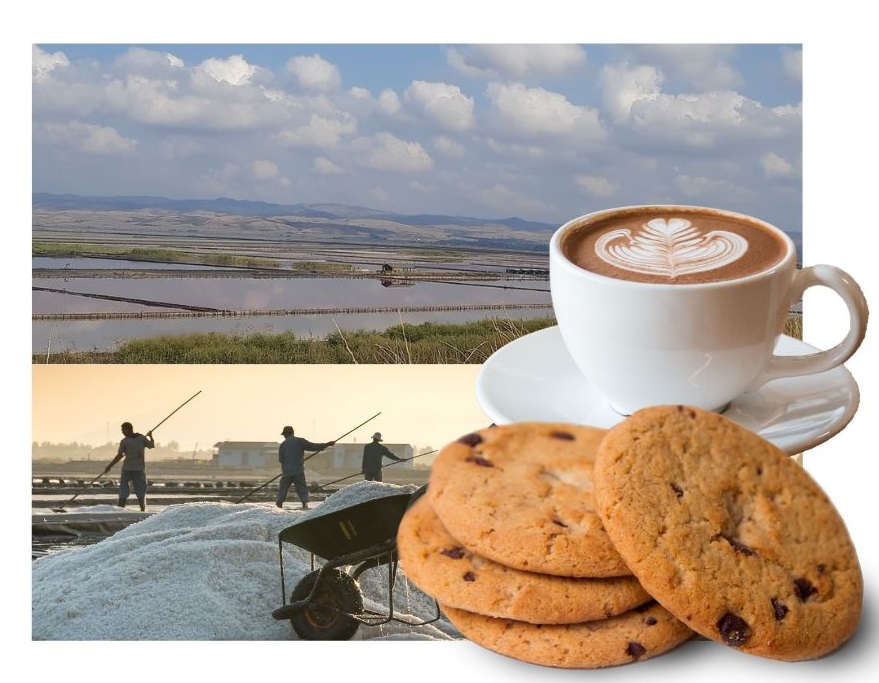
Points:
(327, 616)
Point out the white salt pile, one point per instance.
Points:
(206, 571)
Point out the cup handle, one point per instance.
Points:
(850, 292)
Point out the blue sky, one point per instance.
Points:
(542, 131)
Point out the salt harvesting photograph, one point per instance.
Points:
(311, 297)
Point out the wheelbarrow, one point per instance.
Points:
(327, 604)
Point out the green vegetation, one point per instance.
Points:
(425, 343)
(155, 255)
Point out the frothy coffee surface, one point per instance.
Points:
(673, 246)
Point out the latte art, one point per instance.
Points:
(670, 247)
(673, 245)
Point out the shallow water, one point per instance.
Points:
(260, 299)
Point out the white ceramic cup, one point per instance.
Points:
(641, 344)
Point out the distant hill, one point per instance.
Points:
(284, 222)
(241, 207)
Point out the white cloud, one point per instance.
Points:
(622, 86)
(320, 131)
(702, 66)
(712, 188)
(516, 61)
(539, 112)
(233, 70)
(84, 137)
(597, 186)
(442, 103)
(324, 166)
(314, 73)
(143, 61)
(633, 96)
(419, 187)
(506, 201)
(387, 152)
(389, 102)
(445, 145)
(775, 166)
(45, 63)
(793, 64)
(263, 169)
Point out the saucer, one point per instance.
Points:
(534, 379)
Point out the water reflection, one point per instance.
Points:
(168, 295)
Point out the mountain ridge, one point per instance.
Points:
(253, 208)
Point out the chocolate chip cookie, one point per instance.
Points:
(444, 569)
(633, 636)
(521, 495)
(728, 533)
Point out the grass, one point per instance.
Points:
(426, 343)
(70, 250)
(151, 255)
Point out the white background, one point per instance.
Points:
(840, 226)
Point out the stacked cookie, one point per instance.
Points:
(576, 547)
(508, 541)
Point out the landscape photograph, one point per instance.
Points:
(369, 203)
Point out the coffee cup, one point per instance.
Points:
(672, 304)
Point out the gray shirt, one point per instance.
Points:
(373, 453)
(291, 454)
(133, 447)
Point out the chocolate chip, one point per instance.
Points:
(635, 650)
(470, 576)
(478, 460)
(779, 608)
(739, 547)
(679, 492)
(564, 436)
(690, 412)
(455, 553)
(804, 588)
(471, 439)
(822, 568)
(733, 629)
(651, 621)
(559, 522)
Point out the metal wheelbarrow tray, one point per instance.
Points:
(327, 603)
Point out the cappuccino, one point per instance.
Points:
(674, 245)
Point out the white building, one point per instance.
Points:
(342, 457)
(348, 457)
(256, 454)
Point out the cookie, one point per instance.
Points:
(728, 533)
(635, 635)
(521, 495)
(442, 568)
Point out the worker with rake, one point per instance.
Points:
(291, 455)
(132, 447)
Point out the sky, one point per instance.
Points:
(421, 405)
(543, 132)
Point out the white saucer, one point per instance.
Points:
(534, 379)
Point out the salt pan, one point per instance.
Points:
(206, 571)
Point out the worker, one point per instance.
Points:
(291, 455)
(132, 447)
(373, 453)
